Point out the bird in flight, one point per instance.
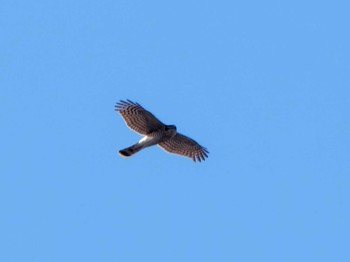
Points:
(156, 133)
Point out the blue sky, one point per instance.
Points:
(264, 85)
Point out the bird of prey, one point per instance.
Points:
(156, 133)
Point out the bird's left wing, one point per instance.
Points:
(185, 146)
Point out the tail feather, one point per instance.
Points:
(129, 151)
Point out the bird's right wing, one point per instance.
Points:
(138, 118)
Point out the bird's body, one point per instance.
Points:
(156, 133)
(151, 139)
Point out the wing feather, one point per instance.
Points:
(185, 146)
(137, 118)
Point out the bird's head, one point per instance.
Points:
(170, 127)
(171, 130)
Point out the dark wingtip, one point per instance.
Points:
(122, 104)
(131, 102)
(200, 156)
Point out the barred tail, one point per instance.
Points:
(129, 151)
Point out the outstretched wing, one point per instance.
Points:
(185, 146)
(138, 118)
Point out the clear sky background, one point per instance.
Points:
(264, 85)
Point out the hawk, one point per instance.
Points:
(156, 133)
